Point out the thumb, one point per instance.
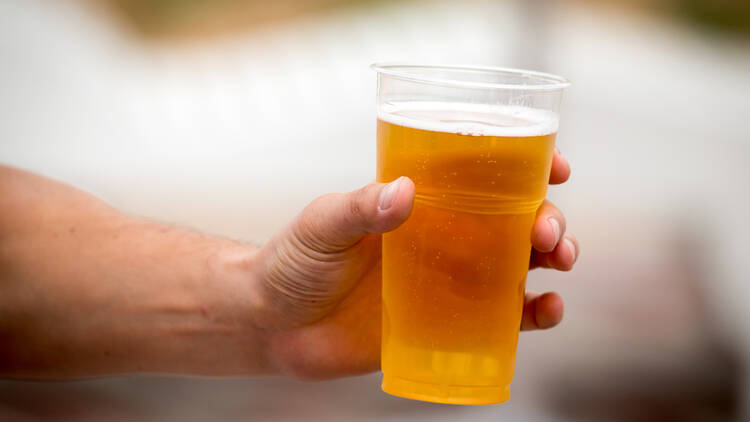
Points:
(335, 222)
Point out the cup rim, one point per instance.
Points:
(400, 70)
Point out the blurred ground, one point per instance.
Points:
(235, 135)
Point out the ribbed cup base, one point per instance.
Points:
(449, 394)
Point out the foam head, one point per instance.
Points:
(470, 119)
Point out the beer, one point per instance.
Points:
(454, 273)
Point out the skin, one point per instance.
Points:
(88, 291)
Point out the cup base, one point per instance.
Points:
(445, 393)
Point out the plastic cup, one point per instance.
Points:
(478, 144)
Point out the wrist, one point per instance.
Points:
(235, 270)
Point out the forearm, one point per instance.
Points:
(87, 291)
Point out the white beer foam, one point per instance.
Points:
(470, 119)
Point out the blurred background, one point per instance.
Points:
(229, 116)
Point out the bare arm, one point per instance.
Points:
(85, 290)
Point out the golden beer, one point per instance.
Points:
(454, 273)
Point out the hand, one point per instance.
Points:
(319, 280)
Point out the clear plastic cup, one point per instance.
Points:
(478, 144)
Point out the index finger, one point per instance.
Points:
(560, 169)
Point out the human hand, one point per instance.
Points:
(319, 280)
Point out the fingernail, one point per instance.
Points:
(571, 246)
(556, 228)
(557, 151)
(388, 194)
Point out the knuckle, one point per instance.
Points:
(320, 203)
(357, 205)
(327, 197)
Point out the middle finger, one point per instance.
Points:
(548, 228)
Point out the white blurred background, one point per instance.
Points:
(172, 111)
